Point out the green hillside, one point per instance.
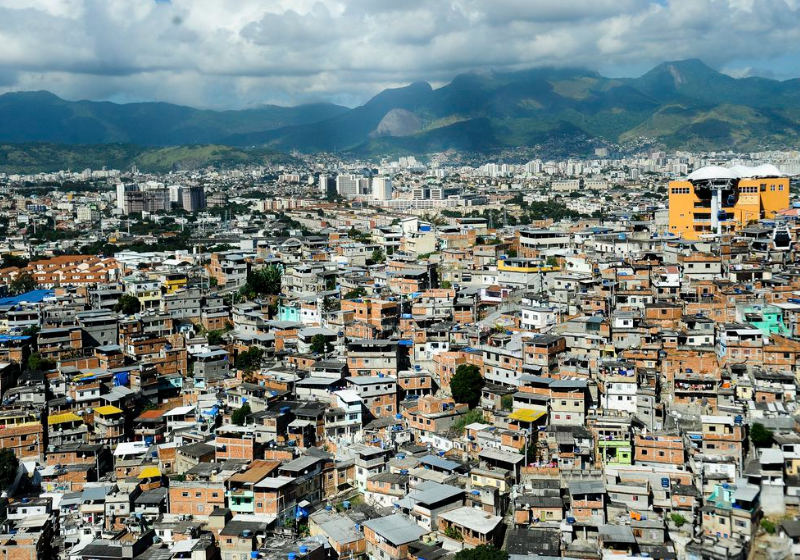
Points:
(46, 157)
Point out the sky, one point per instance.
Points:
(230, 54)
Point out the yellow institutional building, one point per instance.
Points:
(715, 200)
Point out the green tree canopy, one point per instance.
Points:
(466, 385)
(10, 260)
(760, 436)
(357, 293)
(215, 338)
(320, 344)
(483, 552)
(128, 305)
(9, 464)
(263, 282)
(378, 256)
(37, 363)
(250, 360)
(22, 284)
(239, 416)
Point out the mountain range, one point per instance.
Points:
(683, 104)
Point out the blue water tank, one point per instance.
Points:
(292, 555)
(285, 409)
(424, 228)
(398, 416)
(346, 504)
(328, 507)
(254, 554)
(303, 549)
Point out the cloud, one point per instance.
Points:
(247, 52)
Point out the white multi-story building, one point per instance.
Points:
(323, 183)
(351, 185)
(381, 188)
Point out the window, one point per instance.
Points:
(185, 494)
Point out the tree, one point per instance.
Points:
(10, 260)
(453, 533)
(239, 416)
(37, 363)
(466, 385)
(459, 426)
(507, 402)
(264, 281)
(446, 284)
(22, 284)
(530, 450)
(215, 337)
(768, 526)
(482, 552)
(760, 436)
(128, 305)
(320, 344)
(678, 519)
(9, 464)
(357, 293)
(249, 360)
(330, 304)
(378, 256)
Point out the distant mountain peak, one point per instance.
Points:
(38, 95)
(683, 71)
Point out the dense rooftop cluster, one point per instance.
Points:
(420, 361)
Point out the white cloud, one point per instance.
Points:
(244, 52)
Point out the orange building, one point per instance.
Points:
(717, 199)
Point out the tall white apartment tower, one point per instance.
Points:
(381, 188)
(121, 195)
(323, 183)
(348, 185)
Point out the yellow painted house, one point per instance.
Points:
(174, 282)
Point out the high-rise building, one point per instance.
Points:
(152, 200)
(175, 194)
(381, 188)
(193, 198)
(349, 185)
(325, 183)
(714, 200)
(122, 188)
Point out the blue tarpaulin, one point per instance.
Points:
(34, 296)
